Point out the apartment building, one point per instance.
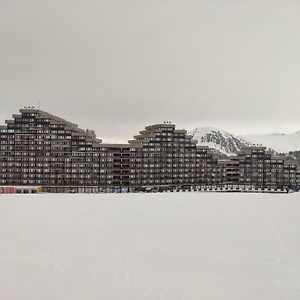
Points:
(40, 149)
(258, 167)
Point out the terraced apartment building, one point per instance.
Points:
(40, 149)
(255, 166)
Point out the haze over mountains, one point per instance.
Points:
(280, 142)
(226, 143)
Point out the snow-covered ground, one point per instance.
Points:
(150, 246)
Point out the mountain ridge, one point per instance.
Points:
(225, 143)
(220, 140)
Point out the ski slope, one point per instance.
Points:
(150, 246)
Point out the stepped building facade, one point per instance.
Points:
(40, 149)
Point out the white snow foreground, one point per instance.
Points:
(150, 246)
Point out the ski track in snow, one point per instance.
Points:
(150, 246)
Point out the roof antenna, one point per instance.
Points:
(39, 105)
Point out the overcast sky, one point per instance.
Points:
(118, 65)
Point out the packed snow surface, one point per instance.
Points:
(150, 246)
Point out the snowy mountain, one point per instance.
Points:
(226, 143)
(280, 142)
(219, 140)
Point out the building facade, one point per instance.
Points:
(40, 149)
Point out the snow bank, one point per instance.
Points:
(150, 246)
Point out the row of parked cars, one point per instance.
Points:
(185, 188)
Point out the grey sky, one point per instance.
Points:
(116, 66)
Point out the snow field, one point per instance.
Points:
(150, 246)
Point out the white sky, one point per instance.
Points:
(118, 65)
